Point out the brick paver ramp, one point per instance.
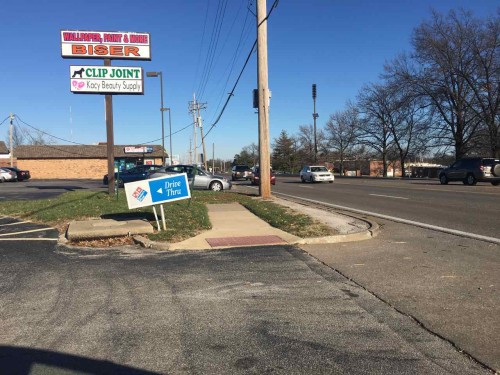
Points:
(245, 241)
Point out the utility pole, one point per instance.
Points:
(194, 108)
(213, 157)
(11, 140)
(263, 111)
(190, 152)
(200, 123)
(315, 116)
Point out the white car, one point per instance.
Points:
(316, 173)
(7, 175)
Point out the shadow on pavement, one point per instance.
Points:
(19, 360)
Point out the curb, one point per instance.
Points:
(340, 238)
(351, 237)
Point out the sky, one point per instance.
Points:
(200, 46)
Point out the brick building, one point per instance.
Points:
(79, 161)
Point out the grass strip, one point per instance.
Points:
(184, 218)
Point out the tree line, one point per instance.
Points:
(441, 100)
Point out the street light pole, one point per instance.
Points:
(159, 74)
(170, 134)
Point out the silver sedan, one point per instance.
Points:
(202, 179)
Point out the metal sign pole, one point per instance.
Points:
(163, 217)
(156, 217)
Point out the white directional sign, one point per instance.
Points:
(157, 190)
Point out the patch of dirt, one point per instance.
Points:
(104, 242)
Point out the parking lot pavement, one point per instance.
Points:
(19, 230)
(260, 310)
(44, 189)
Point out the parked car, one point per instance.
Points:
(256, 177)
(202, 179)
(472, 170)
(7, 175)
(316, 173)
(21, 174)
(137, 173)
(241, 172)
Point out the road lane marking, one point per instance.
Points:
(400, 220)
(387, 196)
(25, 231)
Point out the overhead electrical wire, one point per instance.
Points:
(76, 143)
(241, 72)
(212, 48)
(232, 64)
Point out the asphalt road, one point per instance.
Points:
(472, 209)
(252, 311)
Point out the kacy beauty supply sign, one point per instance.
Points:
(106, 80)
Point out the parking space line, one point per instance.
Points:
(29, 239)
(17, 222)
(26, 231)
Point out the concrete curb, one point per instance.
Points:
(339, 238)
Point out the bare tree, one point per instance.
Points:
(443, 57)
(17, 138)
(484, 78)
(376, 110)
(341, 131)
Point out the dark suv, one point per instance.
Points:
(472, 170)
(241, 171)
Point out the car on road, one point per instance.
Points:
(202, 179)
(472, 170)
(256, 177)
(241, 172)
(7, 175)
(22, 174)
(316, 173)
(137, 173)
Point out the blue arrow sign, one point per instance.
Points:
(169, 188)
(157, 190)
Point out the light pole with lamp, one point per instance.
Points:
(158, 74)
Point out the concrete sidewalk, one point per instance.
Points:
(232, 226)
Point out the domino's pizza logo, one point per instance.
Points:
(139, 194)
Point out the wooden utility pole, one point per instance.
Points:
(264, 157)
(110, 141)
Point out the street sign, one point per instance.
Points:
(157, 191)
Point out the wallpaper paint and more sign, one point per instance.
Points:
(106, 80)
(105, 45)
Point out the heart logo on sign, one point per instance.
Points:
(78, 84)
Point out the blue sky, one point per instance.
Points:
(339, 45)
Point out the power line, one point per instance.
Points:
(47, 134)
(221, 11)
(275, 4)
(5, 119)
